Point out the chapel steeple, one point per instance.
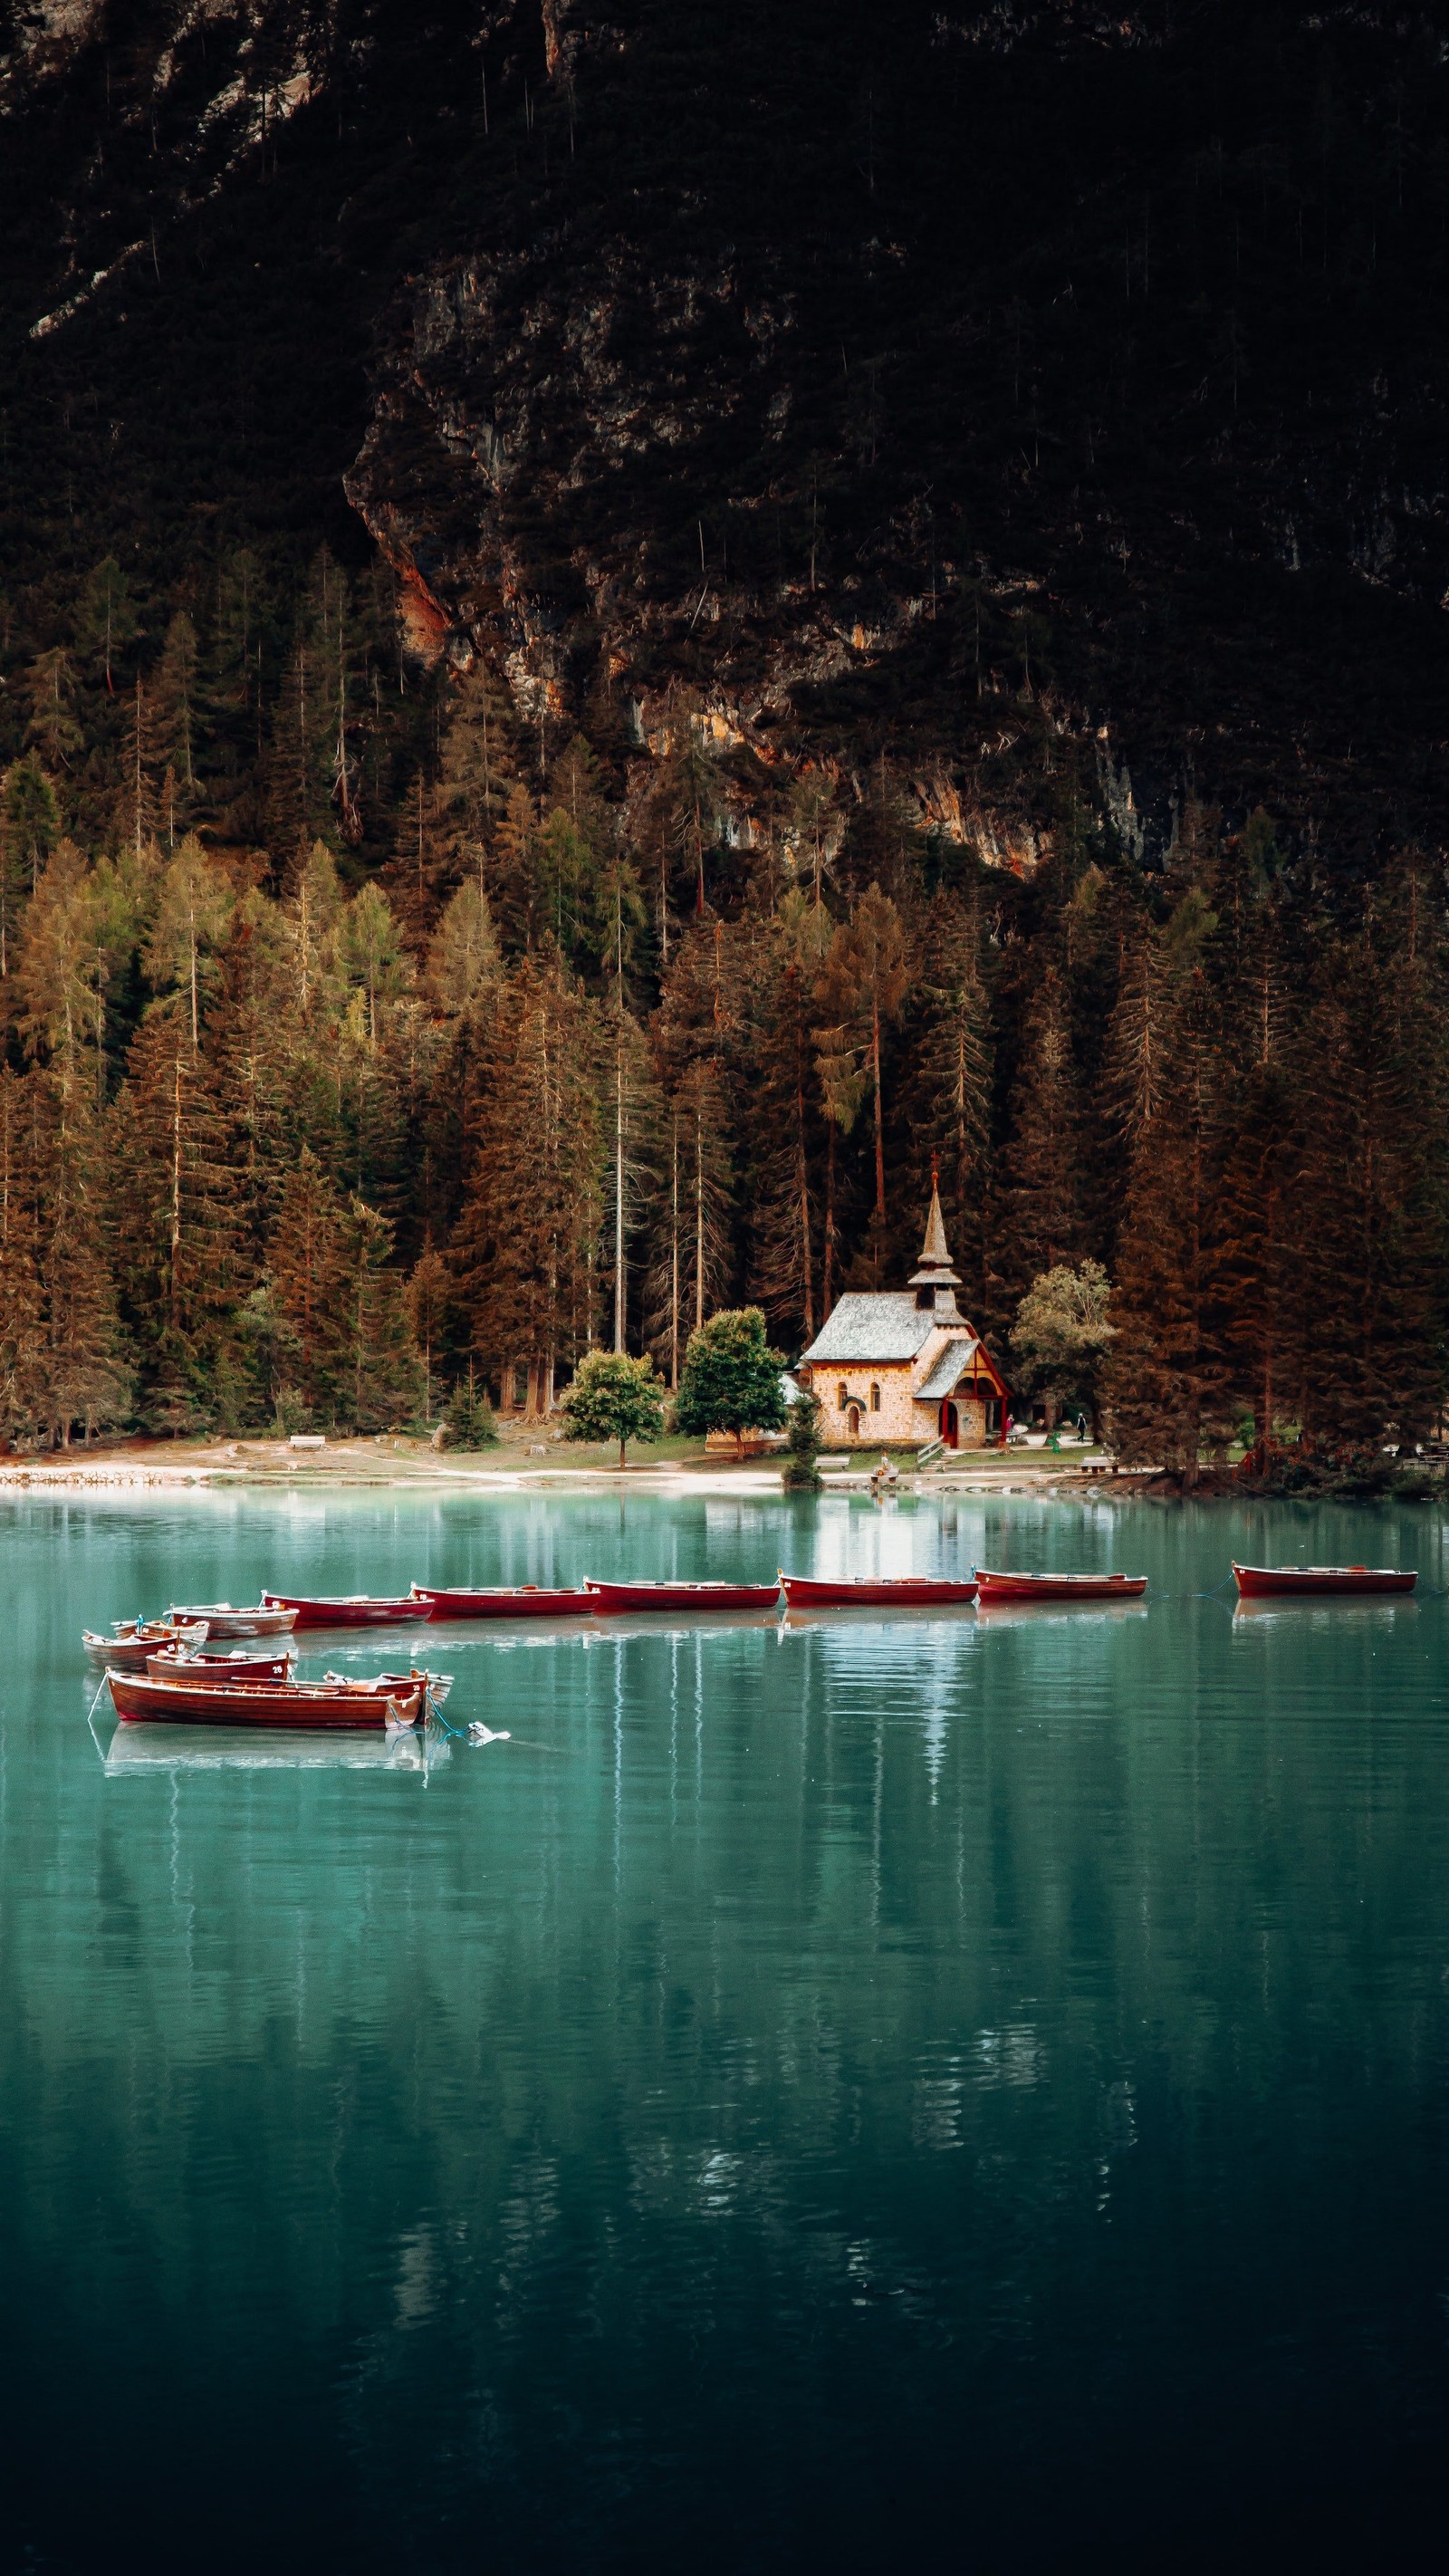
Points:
(934, 1281)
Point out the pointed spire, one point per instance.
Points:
(934, 1270)
(934, 1254)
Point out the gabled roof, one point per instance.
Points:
(950, 1368)
(885, 1326)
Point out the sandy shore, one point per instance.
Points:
(516, 1465)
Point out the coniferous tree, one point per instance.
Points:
(1042, 1210)
(29, 830)
(692, 1261)
(524, 1250)
(174, 1212)
(175, 710)
(56, 964)
(307, 1271)
(694, 1041)
(370, 958)
(464, 967)
(630, 1107)
(478, 765)
(192, 914)
(54, 728)
(432, 1313)
(24, 1392)
(784, 1118)
(1165, 1390)
(105, 621)
(1257, 1266)
(949, 1083)
(1369, 1214)
(137, 809)
(861, 989)
(381, 1380)
(248, 1043)
(88, 1380)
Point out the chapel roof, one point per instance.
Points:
(950, 1368)
(884, 1325)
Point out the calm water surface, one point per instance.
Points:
(819, 2095)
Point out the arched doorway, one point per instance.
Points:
(852, 1422)
(950, 1425)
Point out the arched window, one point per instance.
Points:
(841, 1399)
(875, 1399)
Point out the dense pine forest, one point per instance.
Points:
(455, 913)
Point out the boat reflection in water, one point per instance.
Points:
(868, 1614)
(150, 1747)
(1323, 1610)
(1091, 1613)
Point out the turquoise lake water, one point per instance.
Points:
(969, 2088)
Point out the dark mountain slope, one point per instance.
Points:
(956, 389)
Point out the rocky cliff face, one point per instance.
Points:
(1049, 404)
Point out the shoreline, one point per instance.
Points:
(357, 1466)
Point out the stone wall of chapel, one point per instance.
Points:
(893, 1417)
(897, 1418)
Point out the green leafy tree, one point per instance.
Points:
(614, 1398)
(1062, 1334)
(731, 1379)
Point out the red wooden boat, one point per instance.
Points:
(1058, 1587)
(238, 1666)
(347, 1610)
(502, 1601)
(1263, 1582)
(267, 1620)
(682, 1596)
(134, 1641)
(397, 1699)
(904, 1591)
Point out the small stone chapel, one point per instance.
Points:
(906, 1365)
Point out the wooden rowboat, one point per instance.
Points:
(134, 1641)
(238, 1666)
(1058, 1587)
(903, 1591)
(267, 1620)
(391, 1699)
(682, 1596)
(346, 1610)
(1262, 1582)
(502, 1601)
